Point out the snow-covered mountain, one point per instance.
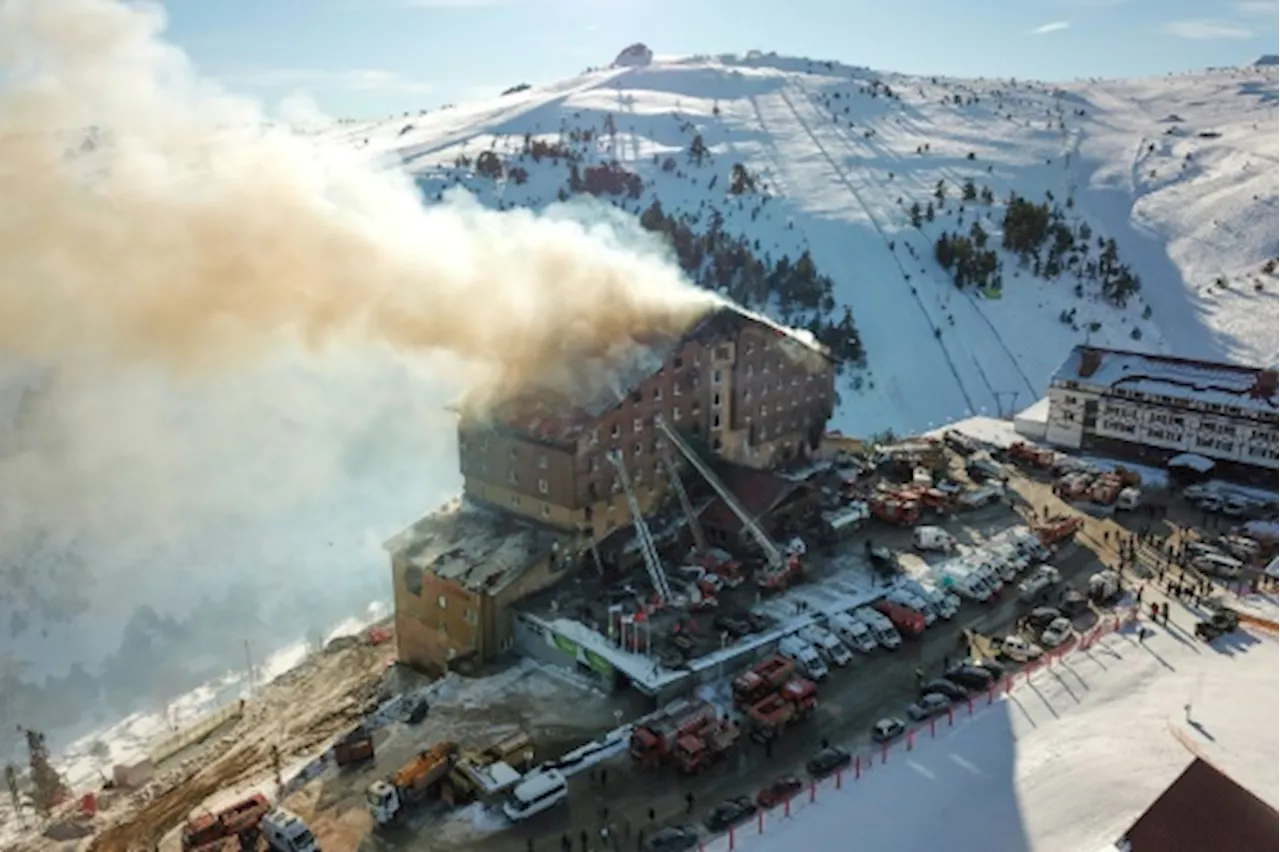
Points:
(1179, 171)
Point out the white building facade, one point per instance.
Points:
(1152, 407)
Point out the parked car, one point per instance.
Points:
(673, 838)
(1072, 603)
(733, 625)
(974, 678)
(1217, 624)
(758, 621)
(887, 729)
(1041, 617)
(1056, 633)
(828, 761)
(942, 686)
(928, 706)
(730, 812)
(993, 669)
(778, 791)
(1020, 650)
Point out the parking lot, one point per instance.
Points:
(850, 701)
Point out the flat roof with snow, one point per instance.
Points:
(1228, 386)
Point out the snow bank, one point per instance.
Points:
(1067, 760)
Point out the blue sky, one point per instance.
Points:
(374, 57)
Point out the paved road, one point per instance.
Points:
(850, 702)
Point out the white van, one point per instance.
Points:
(852, 632)
(1129, 499)
(831, 648)
(285, 831)
(805, 656)
(538, 792)
(966, 583)
(932, 538)
(945, 605)
(880, 626)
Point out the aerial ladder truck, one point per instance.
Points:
(647, 548)
(714, 561)
(781, 570)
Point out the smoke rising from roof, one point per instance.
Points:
(182, 230)
(244, 329)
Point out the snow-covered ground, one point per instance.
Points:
(1179, 170)
(1066, 762)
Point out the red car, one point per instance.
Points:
(779, 791)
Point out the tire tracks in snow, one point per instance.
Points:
(843, 177)
(891, 155)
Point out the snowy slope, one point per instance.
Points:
(1066, 762)
(840, 157)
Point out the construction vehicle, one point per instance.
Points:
(1030, 455)
(792, 703)
(654, 739)
(907, 621)
(765, 677)
(356, 746)
(488, 774)
(905, 457)
(696, 751)
(781, 569)
(894, 510)
(1057, 529)
(411, 784)
(209, 832)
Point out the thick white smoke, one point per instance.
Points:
(246, 339)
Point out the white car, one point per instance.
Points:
(1020, 650)
(1056, 633)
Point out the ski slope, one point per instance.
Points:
(1187, 201)
(1065, 763)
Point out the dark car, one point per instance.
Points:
(759, 623)
(991, 667)
(973, 678)
(733, 625)
(930, 705)
(417, 712)
(1041, 617)
(828, 760)
(887, 729)
(1072, 603)
(949, 688)
(779, 791)
(673, 838)
(730, 812)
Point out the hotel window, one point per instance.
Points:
(542, 486)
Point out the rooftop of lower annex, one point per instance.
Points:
(1228, 385)
(477, 547)
(557, 417)
(1204, 809)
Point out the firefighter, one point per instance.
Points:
(919, 676)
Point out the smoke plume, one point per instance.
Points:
(148, 216)
(246, 339)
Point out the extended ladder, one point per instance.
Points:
(647, 549)
(772, 554)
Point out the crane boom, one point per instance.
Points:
(647, 549)
(772, 554)
(695, 527)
